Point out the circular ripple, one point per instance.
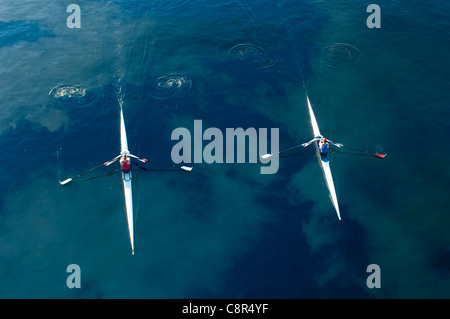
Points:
(256, 56)
(339, 54)
(166, 4)
(90, 7)
(145, 7)
(171, 85)
(71, 93)
(379, 148)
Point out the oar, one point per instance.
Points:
(267, 156)
(112, 161)
(143, 160)
(158, 169)
(307, 151)
(88, 171)
(378, 155)
(111, 172)
(184, 168)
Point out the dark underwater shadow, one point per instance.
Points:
(13, 32)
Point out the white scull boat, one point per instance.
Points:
(126, 178)
(324, 161)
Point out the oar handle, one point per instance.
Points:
(185, 168)
(90, 170)
(143, 160)
(378, 155)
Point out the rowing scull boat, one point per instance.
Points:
(324, 161)
(126, 178)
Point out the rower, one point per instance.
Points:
(125, 163)
(324, 144)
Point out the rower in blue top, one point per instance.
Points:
(323, 144)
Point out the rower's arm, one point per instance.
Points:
(308, 143)
(143, 160)
(335, 144)
(112, 161)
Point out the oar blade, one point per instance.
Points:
(266, 156)
(185, 168)
(380, 155)
(65, 181)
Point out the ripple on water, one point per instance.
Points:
(256, 56)
(71, 93)
(171, 85)
(168, 4)
(90, 7)
(340, 54)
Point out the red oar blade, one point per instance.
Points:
(379, 155)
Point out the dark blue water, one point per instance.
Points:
(225, 230)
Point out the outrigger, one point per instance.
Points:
(126, 176)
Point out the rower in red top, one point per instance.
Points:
(125, 163)
(323, 146)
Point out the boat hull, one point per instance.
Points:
(324, 162)
(127, 181)
(127, 189)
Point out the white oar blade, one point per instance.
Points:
(266, 156)
(185, 168)
(66, 181)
